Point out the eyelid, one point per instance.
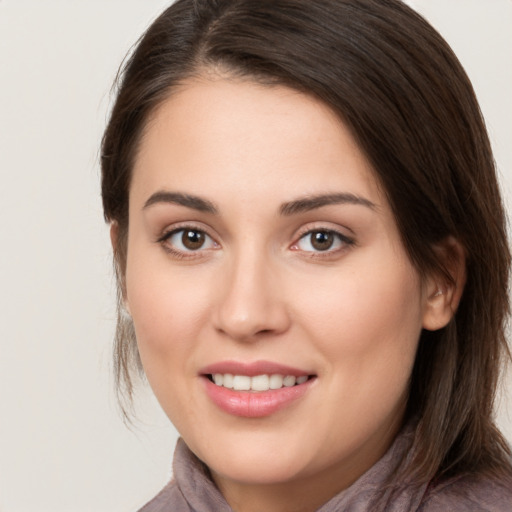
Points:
(170, 231)
(179, 226)
(325, 226)
(308, 229)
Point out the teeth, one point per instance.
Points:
(241, 383)
(289, 381)
(276, 381)
(258, 382)
(227, 380)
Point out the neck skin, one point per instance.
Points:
(309, 493)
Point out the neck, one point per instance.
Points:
(309, 492)
(299, 496)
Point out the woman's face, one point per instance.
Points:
(261, 247)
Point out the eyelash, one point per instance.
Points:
(345, 242)
(163, 240)
(183, 254)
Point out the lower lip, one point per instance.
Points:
(258, 404)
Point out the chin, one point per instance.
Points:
(254, 459)
(257, 471)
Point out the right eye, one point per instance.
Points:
(186, 240)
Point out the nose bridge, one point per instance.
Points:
(250, 303)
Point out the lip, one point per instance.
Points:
(252, 369)
(254, 404)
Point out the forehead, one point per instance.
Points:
(214, 135)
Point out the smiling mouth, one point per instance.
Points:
(257, 383)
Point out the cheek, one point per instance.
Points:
(167, 312)
(167, 308)
(371, 315)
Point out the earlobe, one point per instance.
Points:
(114, 235)
(443, 291)
(114, 240)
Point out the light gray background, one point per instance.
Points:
(63, 446)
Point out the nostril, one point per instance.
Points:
(264, 331)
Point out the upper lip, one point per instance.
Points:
(252, 369)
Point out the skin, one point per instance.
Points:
(259, 290)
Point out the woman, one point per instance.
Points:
(311, 256)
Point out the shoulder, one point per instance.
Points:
(169, 496)
(469, 494)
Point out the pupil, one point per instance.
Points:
(322, 240)
(193, 239)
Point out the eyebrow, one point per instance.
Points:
(318, 201)
(290, 208)
(187, 200)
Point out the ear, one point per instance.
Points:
(114, 240)
(114, 235)
(444, 291)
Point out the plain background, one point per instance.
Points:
(63, 446)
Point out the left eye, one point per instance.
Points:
(188, 240)
(322, 241)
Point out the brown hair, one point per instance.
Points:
(400, 89)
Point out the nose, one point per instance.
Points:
(251, 303)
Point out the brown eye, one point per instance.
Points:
(192, 240)
(188, 240)
(322, 240)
